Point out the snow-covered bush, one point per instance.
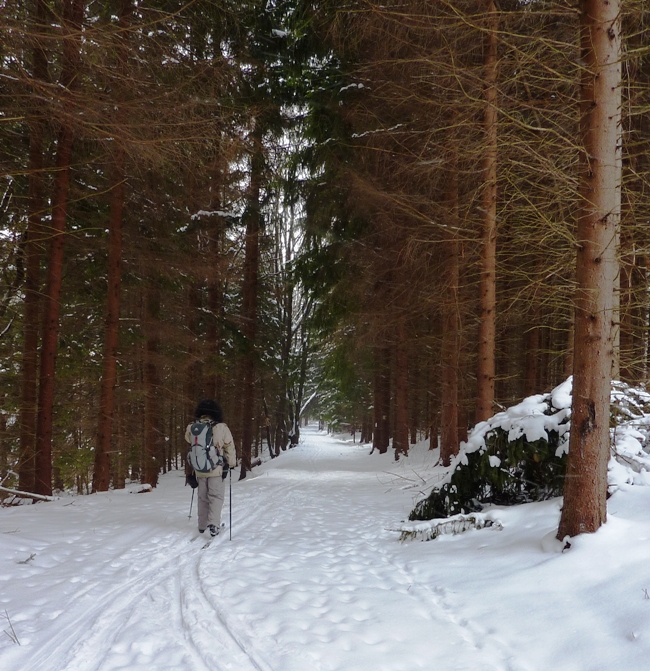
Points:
(519, 455)
(630, 461)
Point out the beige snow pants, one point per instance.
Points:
(211, 492)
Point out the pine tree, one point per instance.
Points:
(585, 487)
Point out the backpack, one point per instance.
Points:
(203, 456)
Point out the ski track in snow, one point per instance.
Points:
(313, 580)
(93, 641)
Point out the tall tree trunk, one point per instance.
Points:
(450, 322)
(462, 422)
(194, 371)
(152, 400)
(449, 364)
(568, 356)
(267, 427)
(28, 405)
(302, 379)
(532, 346)
(434, 386)
(101, 476)
(73, 14)
(101, 479)
(401, 437)
(585, 487)
(626, 318)
(633, 286)
(287, 336)
(384, 400)
(376, 398)
(487, 286)
(4, 451)
(118, 470)
(366, 432)
(414, 403)
(214, 377)
(544, 371)
(639, 284)
(249, 298)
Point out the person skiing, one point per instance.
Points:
(211, 484)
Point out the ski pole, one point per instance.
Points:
(191, 502)
(230, 504)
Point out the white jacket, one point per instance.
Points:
(225, 444)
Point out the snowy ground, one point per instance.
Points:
(315, 579)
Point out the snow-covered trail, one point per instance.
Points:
(313, 579)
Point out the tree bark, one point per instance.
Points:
(531, 343)
(598, 217)
(214, 378)
(4, 451)
(366, 432)
(487, 286)
(72, 18)
(384, 400)
(118, 470)
(626, 317)
(282, 438)
(152, 400)
(414, 403)
(267, 427)
(633, 286)
(28, 404)
(194, 370)
(568, 357)
(101, 478)
(249, 298)
(450, 323)
(639, 284)
(401, 438)
(302, 380)
(434, 388)
(449, 364)
(376, 399)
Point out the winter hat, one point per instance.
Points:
(209, 408)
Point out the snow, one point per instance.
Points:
(315, 578)
(213, 213)
(352, 86)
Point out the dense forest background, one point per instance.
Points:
(362, 212)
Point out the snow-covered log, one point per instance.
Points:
(430, 529)
(28, 495)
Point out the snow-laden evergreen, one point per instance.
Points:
(519, 456)
(538, 416)
(316, 579)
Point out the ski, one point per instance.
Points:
(211, 538)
